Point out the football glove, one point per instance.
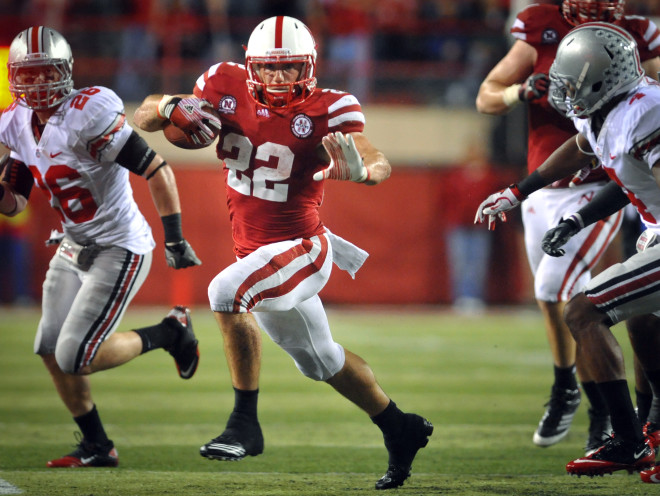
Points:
(497, 204)
(189, 114)
(558, 236)
(181, 255)
(534, 87)
(346, 164)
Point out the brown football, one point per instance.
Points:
(177, 136)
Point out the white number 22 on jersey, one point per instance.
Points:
(266, 182)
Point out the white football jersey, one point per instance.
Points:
(73, 163)
(628, 146)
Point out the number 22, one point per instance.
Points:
(259, 185)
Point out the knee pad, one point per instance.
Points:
(65, 355)
(319, 366)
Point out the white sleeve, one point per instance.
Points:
(104, 130)
(644, 138)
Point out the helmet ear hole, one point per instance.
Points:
(596, 86)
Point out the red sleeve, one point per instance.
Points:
(646, 35)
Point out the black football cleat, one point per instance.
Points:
(241, 437)
(557, 419)
(88, 454)
(402, 451)
(184, 350)
(600, 430)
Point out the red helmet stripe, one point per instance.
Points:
(34, 34)
(279, 23)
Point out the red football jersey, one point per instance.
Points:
(270, 155)
(543, 27)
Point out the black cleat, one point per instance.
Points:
(241, 437)
(414, 435)
(88, 454)
(600, 430)
(557, 419)
(184, 350)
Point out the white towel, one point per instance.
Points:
(345, 254)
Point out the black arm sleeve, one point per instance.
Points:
(136, 155)
(17, 175)
(610, 199)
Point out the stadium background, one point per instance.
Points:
(425, 60)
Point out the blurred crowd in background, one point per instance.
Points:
(431, 52)
(407, 51)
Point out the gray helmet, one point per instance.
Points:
(40, 46)
(595, 62)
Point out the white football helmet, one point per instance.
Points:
(276, 40)
(594, 63)
(580, 11)
(40, 46)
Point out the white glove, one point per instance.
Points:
(346, 164)
(193, 116)
(496, 204)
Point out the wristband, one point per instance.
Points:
(172, 228)
(511, 95)
(576, 220)
(531, 183)
(166, 106)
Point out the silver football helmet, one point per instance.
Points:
(595, 62)
(277, 40)
(35, 48)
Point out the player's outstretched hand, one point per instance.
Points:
(346, 164)
(559, 235)
(181, 255)
(534, 87)
(193, 115)
(497, 204)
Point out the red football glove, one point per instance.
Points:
(534, 87)
(189, 115)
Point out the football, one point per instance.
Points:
(177, 136)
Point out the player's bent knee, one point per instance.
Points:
(320, 366)
(65, 356)
(579, 313)
(220, 298)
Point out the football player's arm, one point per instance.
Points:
(569, 158)
(377, 165)
(15, 185)
(140, 159)
(352, 157)
(512, 70)
(187, 112)
(609, 200)
(652, 67)
(146, 116)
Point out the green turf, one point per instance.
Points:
(481, 380)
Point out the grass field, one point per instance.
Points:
(481, 380)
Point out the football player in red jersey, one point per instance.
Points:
(281, 137)
(521, 77)
(77, 147)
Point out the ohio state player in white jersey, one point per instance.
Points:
(521, 77)
(278, 134)
(616, 110)
(76, 146)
